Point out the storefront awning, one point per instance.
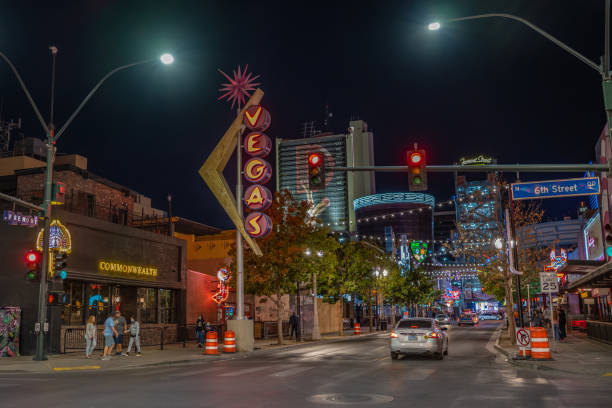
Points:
(580, 267)
(599, 278)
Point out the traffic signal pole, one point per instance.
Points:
(486, 168)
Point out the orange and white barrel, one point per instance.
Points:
(540, 349)
(211, 343)
(357, 329)
(229, 342)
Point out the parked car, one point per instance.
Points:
(419, 335)
(489, 316)
(443, 320)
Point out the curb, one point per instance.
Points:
(211, 359)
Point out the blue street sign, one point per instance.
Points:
(556, 188)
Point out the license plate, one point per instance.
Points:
(412, 337)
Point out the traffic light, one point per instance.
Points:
(316, 170)
(608, 239)
(56, 298)
(33, 261)
(417, 175)
(59, 193)
(59, 265)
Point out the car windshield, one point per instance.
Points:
(414, 324)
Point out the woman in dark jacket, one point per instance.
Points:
(200, 330)
(562, 324)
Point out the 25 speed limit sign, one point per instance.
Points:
(549, 282)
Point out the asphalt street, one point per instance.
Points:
(349, 373)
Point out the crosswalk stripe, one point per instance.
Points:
(196, 372)
(291, 371)
(244, 371)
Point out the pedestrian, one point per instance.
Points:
(109, 336)
(120, 324)
(555, 324)
(90, 336)
(134, 331)
(562, 324)
(293, 324)
(200, 330)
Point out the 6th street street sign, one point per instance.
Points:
(556, 188)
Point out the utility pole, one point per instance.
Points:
(239, 246)
(41, 325)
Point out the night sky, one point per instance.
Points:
(489, 86)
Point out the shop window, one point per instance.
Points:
(167, 305)
(99, 301)
(147, 305)
(74, 310)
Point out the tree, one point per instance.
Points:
(478, 245)
(276, 272)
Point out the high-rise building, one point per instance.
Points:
(333, 204)
(478, 207)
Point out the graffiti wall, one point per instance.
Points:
(10, 323)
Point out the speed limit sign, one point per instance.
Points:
(549, 282)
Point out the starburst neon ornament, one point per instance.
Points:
(237, 90)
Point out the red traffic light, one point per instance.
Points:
(315, 159)
(32, 257)
(51, 298)
(415, 159)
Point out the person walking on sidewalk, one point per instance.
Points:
(109, 336)
(134, 331)
(200, 330)
(120, 324)
(293, 324)
(90, 336)
(562, 324)
(555, 324)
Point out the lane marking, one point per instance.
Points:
(291, 371)
(244, 371)
(76, 368)
(607, 375)
(188, 373)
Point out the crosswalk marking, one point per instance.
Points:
(244, 371)
(196, 372)
(291, 371)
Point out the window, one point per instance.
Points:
(414, 324)
(167, 305)
(147, 305)
(98, 301)
(74, 309)
(91, 205)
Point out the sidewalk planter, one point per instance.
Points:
(601, 331)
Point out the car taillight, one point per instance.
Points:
(432, 335)
(414, 327)
(394, 335)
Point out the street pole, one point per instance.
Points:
(316, 333)
(239, 246)
(299, 314)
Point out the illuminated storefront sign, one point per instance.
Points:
(59, 238)
(258, 224)
(419, 250)
(593, 239)
(257, 144)
(223, 275)
(17, 218)
(257, 197)
(476, 161)
(257, 118)
(120, 268)
(257, 170)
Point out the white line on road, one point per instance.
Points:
(247, 371)
(188, 373)
(291, 371)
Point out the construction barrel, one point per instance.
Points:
(540, 349)
(357, 329)
(229, 342)
(211, 343)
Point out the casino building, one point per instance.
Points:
(334, 203)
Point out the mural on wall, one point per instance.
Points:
(10, 322)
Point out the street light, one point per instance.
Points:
(603, 69)
(166, 59)
(52, 138)
(498, 243)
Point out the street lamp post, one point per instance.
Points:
(603, 68)
(51, 141)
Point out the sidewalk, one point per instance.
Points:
(151, 356)
(576, 354)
